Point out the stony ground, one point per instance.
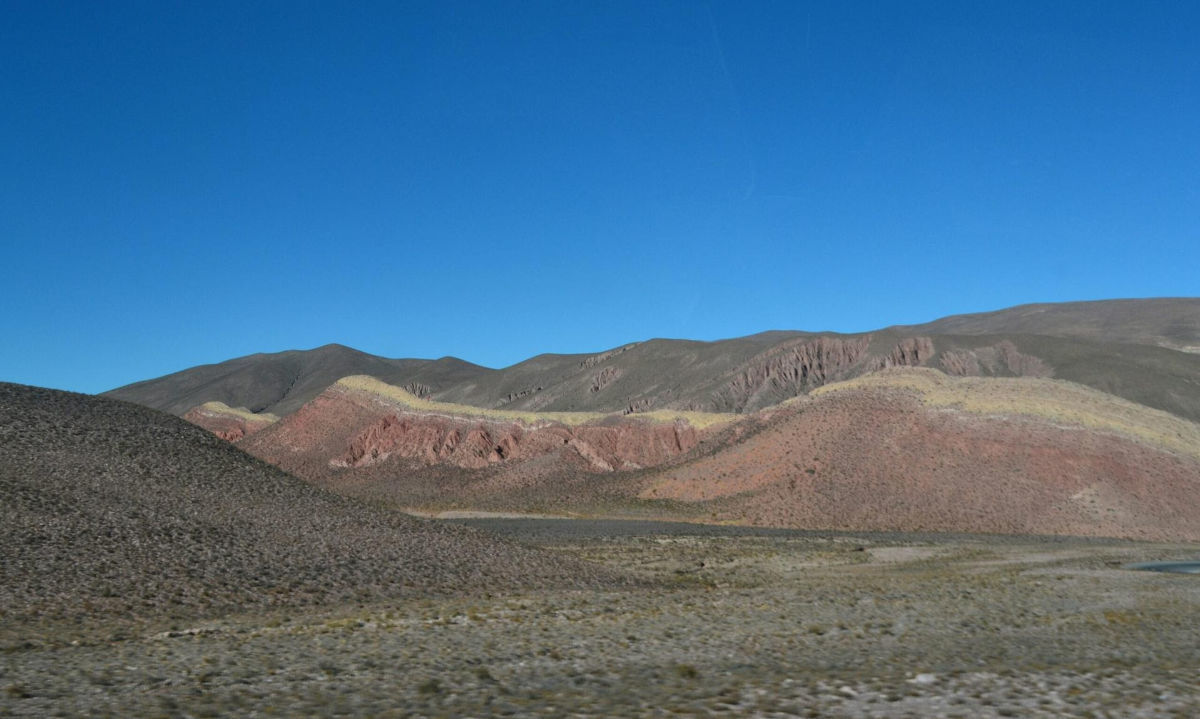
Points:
(733, 623)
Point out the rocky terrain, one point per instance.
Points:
(111, 511)
(917, 450)
(770, 624)
(360, 422)
(898, 449)
(261, 568)
(227, 422)
(1141, 350)
(1166, 322)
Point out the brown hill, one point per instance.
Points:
(108, 507)
(362, 434)
(281, 382)
(901, 449)
(916, 450)
(1130, 348)
(1172, 322)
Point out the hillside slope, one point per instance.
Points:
(107, 507)
(917, 450)
(1172, 322)
(1130, 348)
(281, 382)
(900, 449)
(362, 434)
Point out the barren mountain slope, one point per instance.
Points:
(362, 432)
(281, 382)
(902, 449)
(916, 450)
(108, 507)
(1116, 346)
(1164, 321)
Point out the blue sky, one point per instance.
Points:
(182, 183)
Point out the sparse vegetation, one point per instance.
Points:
(785, 624)
(1052, 400)
(239, 412)
(112, 510)
(410, 401)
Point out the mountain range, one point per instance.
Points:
(1075, 418)
(1147, 351)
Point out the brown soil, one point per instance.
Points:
(348, 429)
(874, 457)
(108, 509)
(752, 624)
(882, 460)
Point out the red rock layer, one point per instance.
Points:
(226, 426)
(869, 459)
(879, 460)
(1002, 358)
(346, 429)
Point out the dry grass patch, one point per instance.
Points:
(1053, 400)
(220, 408)
(408, 400)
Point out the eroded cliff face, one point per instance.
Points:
(790, 370)
(1001, 359)
(604, 378)
(473, 443)
(418, 389)
(908, 352)
(596, 359)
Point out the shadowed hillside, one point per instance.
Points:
(110, 508)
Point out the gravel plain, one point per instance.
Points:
(728, 622)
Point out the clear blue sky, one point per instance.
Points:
(182, 183)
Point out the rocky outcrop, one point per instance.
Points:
(638, 405)
(908, 352)
(520, 394)
(789, 370)
(423, 391)
(596, 359)
(998, 360)
(474, 444)
(636, 444)
(604, 378)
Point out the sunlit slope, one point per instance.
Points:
(408, 401)
(1163, 321)
(916, 450)
(222, 409)
(1055, 401)
(374, 440)
(281, 382)
(1142, 350)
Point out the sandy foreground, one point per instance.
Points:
(732, 622)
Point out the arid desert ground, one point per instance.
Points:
(910, 522)
(720, 622)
